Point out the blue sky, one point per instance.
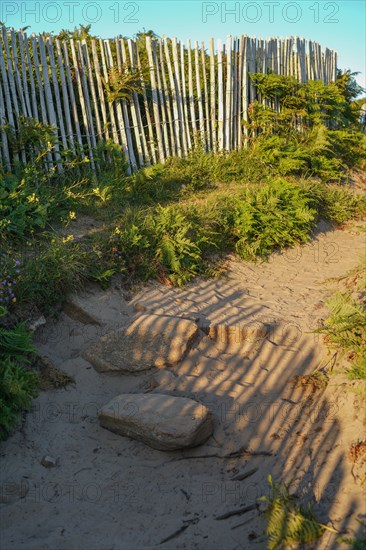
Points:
(339, 24)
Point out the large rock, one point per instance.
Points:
(150, 341)
(161, 421)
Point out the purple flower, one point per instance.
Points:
(17, 262)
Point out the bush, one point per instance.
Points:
(275, 215)
(17, 385)
(345, 330)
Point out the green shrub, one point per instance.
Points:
(56, 267)
(274, 215)
(176, 242)
(345, 330)
(17, 385)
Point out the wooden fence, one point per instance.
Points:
(186, 94)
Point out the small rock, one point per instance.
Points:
(150, 341)
(48, 461)
(161, 421)
(36, 323)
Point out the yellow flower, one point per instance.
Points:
(32, 198)
(72, 215)
(67, 239)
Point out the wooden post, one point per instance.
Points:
(120, 45)
(162, 101)
(24, 74)
(31, 78)
(207, 107)
(234, 116)
(123, 122)
(199, 96)
(228, 114)
(56, 92)
(240, 105)
(100, 89)
(146, 105)
(174, 98)
(167, 98)
(4, 137)
(155, 99)
(84, 54)
(65, 96)
(82, 102)
(73, 104)
(190, 91)
(49, 100)
(245, 93)
(18, 82)
(184, 98)
(40, 91)
(179, 96)
(220, 86)
(213, 95)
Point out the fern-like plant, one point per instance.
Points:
(17, 385)
(288, 523)
(276, 215)
(345, 329)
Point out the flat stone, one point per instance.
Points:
(161, 421)
(150, 341)
(97, 307)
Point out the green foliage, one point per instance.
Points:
(177, 244)
(17, 385)
(164, 242)
(294, 105)
(288, 523)
(57, 267)
(319, 152)
(121, 84)
(345, 330)
(275, 215)
(347, 85)
(21, 208)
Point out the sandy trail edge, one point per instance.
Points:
(110, 492)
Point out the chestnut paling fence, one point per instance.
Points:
(176, 96)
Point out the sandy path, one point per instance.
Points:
(110, 492)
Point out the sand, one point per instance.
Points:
(110, 492)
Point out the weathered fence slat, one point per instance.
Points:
(213, 95)
(146, 105)
(155, 100)
(220, 87)
(184, 98)
(56, 90)
(174, 98)
(190, 91)
(207, 109)
(65, 96)
(82, 101)
(71, 91)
